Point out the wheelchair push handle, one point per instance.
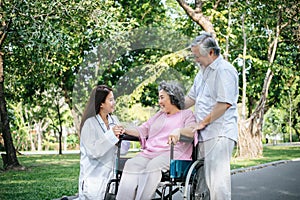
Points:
(172, 151)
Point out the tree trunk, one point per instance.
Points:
(250, 136)
(10, 160)
(60, 126)
(226, 53)
(32, 134)
(77, 119)
(250, 130)
(39, 132)
(244, 76)
(249, 143)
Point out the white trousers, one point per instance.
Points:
(141, 177)
(217, 153)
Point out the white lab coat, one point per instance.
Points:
(98, 154)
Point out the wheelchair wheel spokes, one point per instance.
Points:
(192, 181)
(199, 189)
(193, 186)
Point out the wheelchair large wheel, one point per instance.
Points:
(195, 185)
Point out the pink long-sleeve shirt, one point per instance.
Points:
(157, 130)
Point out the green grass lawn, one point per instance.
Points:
(270, 154)
(53, 176)
(45, 177)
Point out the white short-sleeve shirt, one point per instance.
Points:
(218, 82)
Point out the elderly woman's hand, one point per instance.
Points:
(174, 136)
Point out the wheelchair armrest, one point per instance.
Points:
(184, 138)
(129, 137)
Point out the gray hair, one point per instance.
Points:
(205, 41)
(174, 91)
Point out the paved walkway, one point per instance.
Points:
(271, 181)
(274, 181)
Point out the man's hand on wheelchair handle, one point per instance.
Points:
(199, 126)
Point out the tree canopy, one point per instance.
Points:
(53, 52)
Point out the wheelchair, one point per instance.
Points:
(183, 176)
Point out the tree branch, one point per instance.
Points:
(198, 6)
(3, 33)
(216, 4)
(197, 15)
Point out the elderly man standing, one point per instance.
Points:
(214, 94)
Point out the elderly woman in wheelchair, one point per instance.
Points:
(142, 174)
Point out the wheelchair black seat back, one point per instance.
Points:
(183, 176)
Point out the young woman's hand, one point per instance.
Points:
(118, 130)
